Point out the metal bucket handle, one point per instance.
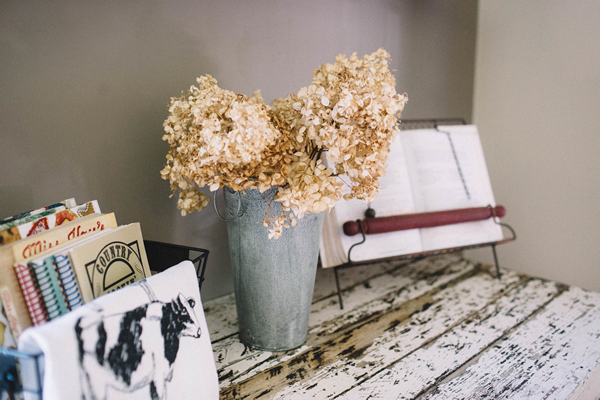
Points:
(237, 213)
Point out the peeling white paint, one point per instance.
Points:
(451, 306)
(437, 328)
(546, 358)
(421, 369)
(221, 317)
(381, 294)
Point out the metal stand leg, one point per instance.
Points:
(337, 284)
(496, 261)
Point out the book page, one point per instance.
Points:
(447, 170)
(394, 197)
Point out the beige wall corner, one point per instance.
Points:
(536, 100)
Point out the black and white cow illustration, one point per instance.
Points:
(134, 349)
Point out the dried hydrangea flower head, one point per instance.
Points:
(218, 138)
(352, 110)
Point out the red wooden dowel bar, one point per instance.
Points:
(422, 220)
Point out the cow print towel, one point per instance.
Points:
(145, 341)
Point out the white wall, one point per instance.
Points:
(84, 88)
(537, 105)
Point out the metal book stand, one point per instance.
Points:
(421, 124)
(160, 257)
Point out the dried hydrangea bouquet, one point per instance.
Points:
(221, 139)
(218, 138)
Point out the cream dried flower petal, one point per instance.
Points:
(219, 138)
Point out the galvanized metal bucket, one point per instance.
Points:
(273, 278)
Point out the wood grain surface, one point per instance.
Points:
(442, 327)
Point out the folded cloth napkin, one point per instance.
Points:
(148, 340)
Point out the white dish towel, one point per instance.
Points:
(145, 341)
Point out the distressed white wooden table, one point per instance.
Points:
(441, 327)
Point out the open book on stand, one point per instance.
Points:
(429, 170)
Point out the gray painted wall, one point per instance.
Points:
(537, 99)
(84, 88)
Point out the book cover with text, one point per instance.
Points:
(110, 261)
(33, 214)
(57, 219)
(10, 290)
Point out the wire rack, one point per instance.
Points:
(13, 362)
(430, 123)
